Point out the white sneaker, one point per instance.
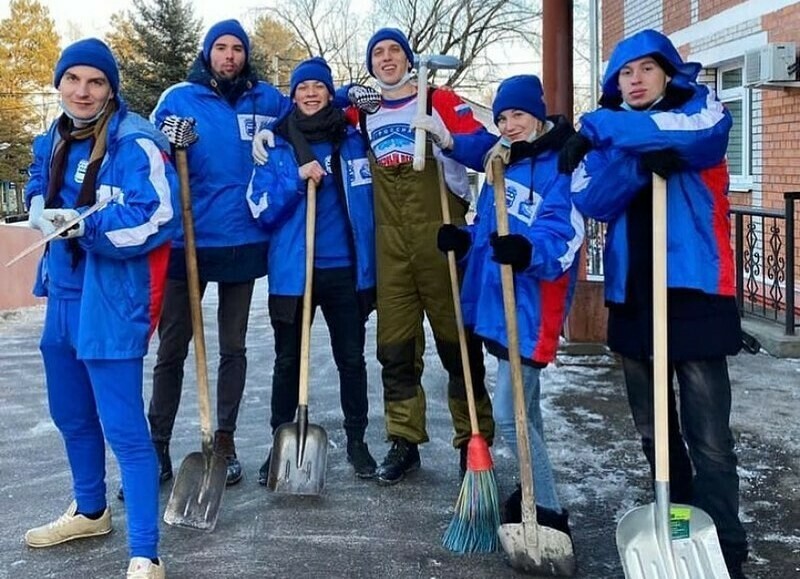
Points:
(143, 568)
(67, 527)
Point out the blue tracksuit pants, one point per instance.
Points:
(88, 398)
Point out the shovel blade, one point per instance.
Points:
(197, 493)
(696, 553)
(299, 460)
(537, 550)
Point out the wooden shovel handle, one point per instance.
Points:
(510, 309)
(660, 359)
(193, 282)
(444, 196)
(305, 333)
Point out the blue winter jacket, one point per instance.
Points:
(220, 162)
(539, 208)
(699, 253)
(126, 243)
(277, 200)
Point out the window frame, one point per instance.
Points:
(743, 181)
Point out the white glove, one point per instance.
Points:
(58, 217)
(435, 128)
(261, 140)
(35, 216)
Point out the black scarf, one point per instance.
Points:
(326, 125)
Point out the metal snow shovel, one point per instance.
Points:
(663, 540)
(197, 491)
(300, 449)
(530, 548)
(424, 62)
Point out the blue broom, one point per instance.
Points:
(477, 513)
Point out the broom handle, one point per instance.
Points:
(193, 282)
(454, 289)
(305, 334)
(510, 309)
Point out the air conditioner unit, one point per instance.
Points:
(773, 62)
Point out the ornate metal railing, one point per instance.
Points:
(765, 262)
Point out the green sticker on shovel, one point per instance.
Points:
(679, 518)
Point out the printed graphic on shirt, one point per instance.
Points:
(393, 144)
(249, 125)
(80, 171)
(358, 172)
(522, 202)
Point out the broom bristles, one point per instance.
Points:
(477, 515)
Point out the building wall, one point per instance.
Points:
(16, 282)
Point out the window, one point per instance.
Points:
(737, 100)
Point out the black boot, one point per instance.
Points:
(164, 465)
(358, 455)
(263, 472)
(226, 448)
(402, 458)
(512, 513)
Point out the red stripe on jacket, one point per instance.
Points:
(552, 308)
(716, 181)
(158, 260)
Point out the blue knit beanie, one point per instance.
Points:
(389, 34)
(89, 52)
(312, 69)
(221, 29)
(522, 92)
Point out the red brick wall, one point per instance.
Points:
(677, 15)
(613, 18)
(709, 8)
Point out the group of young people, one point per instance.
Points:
(119, 273)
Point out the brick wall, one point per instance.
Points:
(709, 8)
(613, 19)
(676, 15)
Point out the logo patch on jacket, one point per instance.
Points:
(358, 172)
(522, 202)
(80, 170)
(249, 124)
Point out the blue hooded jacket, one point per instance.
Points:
(611, 175)
(277, 201)
(126, 243)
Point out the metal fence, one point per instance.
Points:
(765, 262)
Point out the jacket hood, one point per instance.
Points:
(648, 43)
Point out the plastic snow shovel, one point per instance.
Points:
(530, 548)
(197, 492)
(663, 540)
(300, 449)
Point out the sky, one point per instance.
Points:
(98, 12)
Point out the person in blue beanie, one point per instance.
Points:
(344, 249)
(546, 233)
(655, 118)
(103, 280)
(229, 104)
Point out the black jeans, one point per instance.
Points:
(175, 333)
(334, 291)
(705, 408)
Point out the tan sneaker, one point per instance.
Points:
(142, 568)
(67, 527)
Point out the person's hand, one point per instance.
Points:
(58, 217)
(501, 150)
(179, 131)
(364, 98)
(312, 170)
(35, 220)
(663, 163)
(514, 250)
(573, 152)
(435, 128)
(455, 239)
(261, 140)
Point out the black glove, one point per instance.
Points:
(573, 152)
(514, 250)
(663, 163)
(455, 239)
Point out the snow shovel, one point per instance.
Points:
(530, 548)
(300, 449)
(197, 492)
(663, 540)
